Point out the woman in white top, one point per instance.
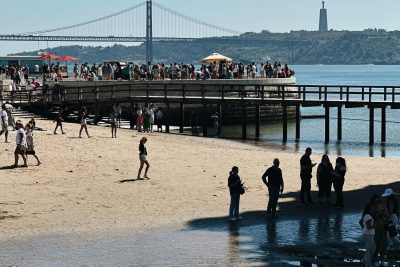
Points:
(368, 235)
(20, 141)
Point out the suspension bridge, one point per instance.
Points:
(146, 22)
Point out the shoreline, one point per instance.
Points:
(76, 189)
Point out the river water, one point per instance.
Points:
(355, 120)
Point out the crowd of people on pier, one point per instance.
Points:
(175, 71)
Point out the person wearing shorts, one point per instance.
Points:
(83, 123)
(59, 120)
(20, 141)
(143, 159)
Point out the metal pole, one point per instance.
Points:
(149, 31)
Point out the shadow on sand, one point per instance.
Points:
(300, 235)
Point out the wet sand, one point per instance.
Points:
(77, 189)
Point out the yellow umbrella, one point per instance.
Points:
(216, 57)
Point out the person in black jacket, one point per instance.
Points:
(338, 181)
(274, 185)
(324, 180)
(306, 167)
(235, 187)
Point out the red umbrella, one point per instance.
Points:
(49, 56)
(67, 58)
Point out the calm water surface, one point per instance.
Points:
(355, 121)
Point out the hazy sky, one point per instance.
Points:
(243, 16)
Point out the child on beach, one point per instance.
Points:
(83, 122)
(30, 144)
(113, 121)
(59, 120)
(143, 159)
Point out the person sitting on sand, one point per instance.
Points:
(143, 159)
(30, 144)
(235, 187)
(59, 120)
(20, 141)
(274, 185)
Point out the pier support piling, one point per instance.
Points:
(219, 108)
(339, 123)
(167, 118)
(244, 124)
(327, 121)
(383, 125)
(285, 124)
(257, 121)
(205, 121)
(298, 120)
(371, 126)
(181, 117)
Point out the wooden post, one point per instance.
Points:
(257, 121)
(205, 120)
(339, 123)
(244, 124)
(166, 116)
(285, 122)
(298, 119)
(383, 126)
(371, 126)
(219, 107)
(181, 117)
(327, 120)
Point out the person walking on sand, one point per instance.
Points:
(368, 226)
(215, 118)
(143, 159)
(20, 141)
(324, 180)
(275, 186)
(4, 122)
(338, 181)
(59, 120)
(113, 122)
(235, 187)
(306, 167)
(30, 144)
(83, 122)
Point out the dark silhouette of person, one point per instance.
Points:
(306, 167)
(274, 184)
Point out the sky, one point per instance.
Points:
(243, 16)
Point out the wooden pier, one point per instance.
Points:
(252, 93)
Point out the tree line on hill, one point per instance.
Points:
(371, 46)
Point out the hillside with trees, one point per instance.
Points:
(371, 46)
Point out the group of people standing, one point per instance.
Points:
(273, 179)
(143, 119)
(327, 175)
(380, 226)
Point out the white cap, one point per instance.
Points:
(388, 192)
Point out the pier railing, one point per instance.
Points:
(248, 94)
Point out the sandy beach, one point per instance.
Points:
(77, 190)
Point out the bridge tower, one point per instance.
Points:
(323, 18)
(149, 31)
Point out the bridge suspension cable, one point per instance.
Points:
(86, 22)
(196, 21)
